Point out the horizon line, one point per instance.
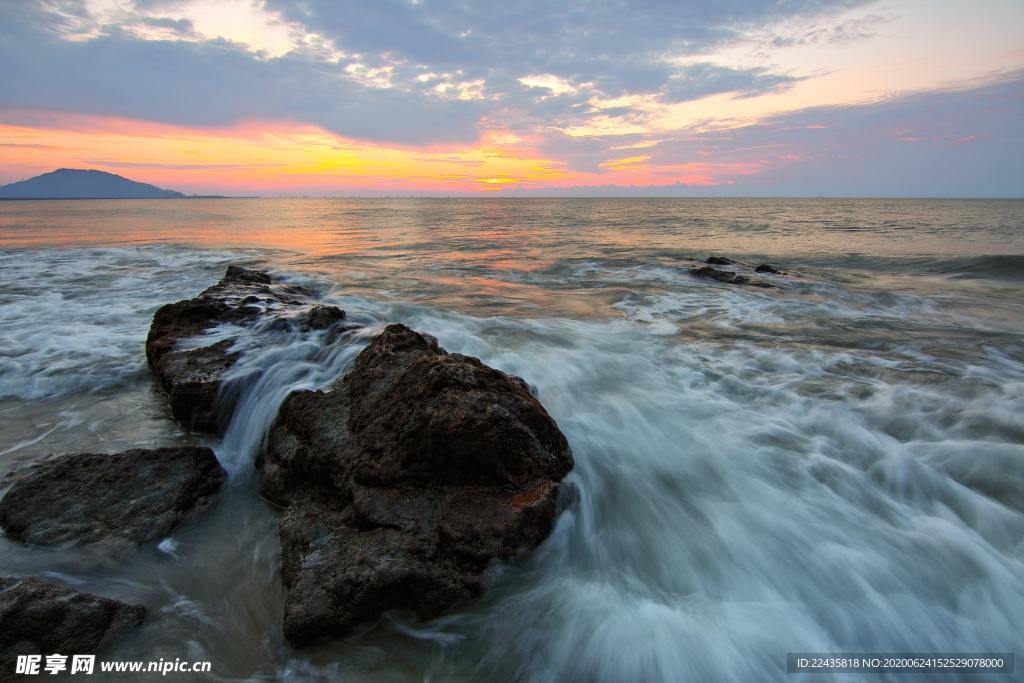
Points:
(520, 196)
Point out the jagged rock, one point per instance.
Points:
(192, 376)
(767, 268)
(42, 618)
(403, 481)
(720, 261)
(126, 498)
(727, 276)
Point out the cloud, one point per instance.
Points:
(700, 80)
(966, 142)
(28, 145)
(212, 83)
(618, 46)
(177, 28)
(618, 164)
(853, 30)
(393, 70)
(114, 163)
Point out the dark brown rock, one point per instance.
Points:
(238, 275)
(192, 376)
(726, 276)
(404, 481)
(767, 268)
(125, 498)
(316, 318)
(42, 618)
(322, 317)
(192, 380)
(720, 261)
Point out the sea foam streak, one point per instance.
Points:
(742, 501)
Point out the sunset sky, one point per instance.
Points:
(603, 97)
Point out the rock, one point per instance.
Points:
(404, 481)
(192, 376)
(720, 261)
(726, 276)
(42, 618)
(125, 498)
(322, 317)
(316, 318)
(192, 379)
(766, 268)
(238, 275)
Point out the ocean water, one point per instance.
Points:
(833, 464)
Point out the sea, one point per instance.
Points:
(832, 464)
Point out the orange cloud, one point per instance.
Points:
(619, 164)
(285, 157)
(261, 156)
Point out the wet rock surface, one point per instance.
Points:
(42, 618)
(192, 373)
(322, 317)
(404, 481)
(126, 498)
(721, 261)
(727, 277)
(768, 268)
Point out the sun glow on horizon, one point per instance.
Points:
(279, 157)
(263, 156)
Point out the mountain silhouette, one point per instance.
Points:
(74, 183)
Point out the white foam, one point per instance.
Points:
(741, 500)
(76, 320)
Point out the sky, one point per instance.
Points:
(527, 98)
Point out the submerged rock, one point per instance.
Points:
(767, 268)
(130, 497)
(720, 261)
(192, 376)
(316, 318)
(403, 481)
(727, 276)
(42, 618)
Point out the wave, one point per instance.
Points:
(1001, 267)
(739, 502)
(76, 320)
(990, 266)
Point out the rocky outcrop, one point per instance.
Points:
(124, 498)
(192, 373)
(721, 261)
(769, 269)
(403, 481)
(42, 618)
(400, 484)
(727, 277)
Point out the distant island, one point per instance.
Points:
(74, 183)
